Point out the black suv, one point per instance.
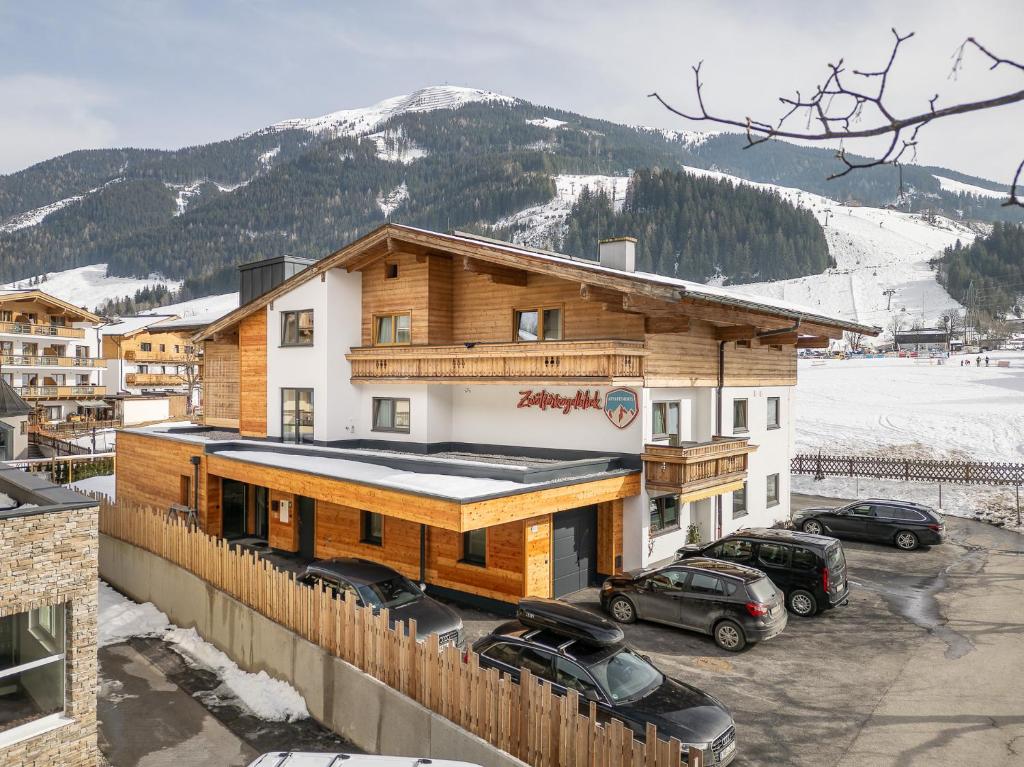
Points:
(902, 523)
(576, 650)
(736, 605)
(810, 569)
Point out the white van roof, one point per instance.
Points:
(306, 759)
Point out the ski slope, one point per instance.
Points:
(89, 286)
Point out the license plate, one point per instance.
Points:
(727, 751)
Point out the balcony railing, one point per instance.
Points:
(60, 392)
(153, 379)
(47, 360)
(37, 329)
(694, 466)
(137, 355)
(604, 361)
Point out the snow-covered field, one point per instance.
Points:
(268, 698)
(916, 409)
(89, 286)
(958, 187)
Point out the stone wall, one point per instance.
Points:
(49, 559)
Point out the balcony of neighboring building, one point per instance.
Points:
(155, 355)
(17, 327)
(48, 360)
(153, 379)
(697, 469)
(60, 391)
(606, 362)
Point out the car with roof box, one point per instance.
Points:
(904, 524)
(809, 569)
(575, 649)
(379, 587)
(734, 604)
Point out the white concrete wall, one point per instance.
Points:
(145, 410)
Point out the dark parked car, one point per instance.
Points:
(576, 650)
(377, 586)
(810, 569)
(904, 524)
(735, 604)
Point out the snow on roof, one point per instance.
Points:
(127, 325)
(199, 311)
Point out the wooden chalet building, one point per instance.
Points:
(494, 420)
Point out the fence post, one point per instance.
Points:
(1017, 492)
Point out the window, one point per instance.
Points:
(739, 415)
(536, 662)
(184, 489)
(703, 583)
(804, 559)
(146, 346)
(31, 665)
(665, 421)
(296, 415)
(474, 547)
(177, 348)
(735, 551)
(773, 413)
(743, 344)
(666, 580)
(773, 489)
(372, 528)
(391, 329)
(390, 414)
(739, 502)
(390, 271)
(538, 324)
(773, 555)
(863, 510)
(297, 328)
(664, 513)
(142, 368)
(503, 652)
(163, 347)
(572, 677)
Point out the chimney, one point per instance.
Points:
(619, 253)
(259, 277)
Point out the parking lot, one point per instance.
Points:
(924, 662)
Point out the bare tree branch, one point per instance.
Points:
(836, 108)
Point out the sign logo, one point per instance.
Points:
(621, 407)
(545, 400)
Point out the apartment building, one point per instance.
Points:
(49, 353)
(151, 353)
(493, 420)
(48, 535)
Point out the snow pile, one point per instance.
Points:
(875, 249)
(89, 286)
(959, 187)
(390, 201)
(541, 225)
(268, 698)
(359, 122)
(104, 484)
(546, 122)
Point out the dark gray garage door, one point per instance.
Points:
(574, 550)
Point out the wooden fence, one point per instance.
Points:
(65, 469)
(526, 720)
(910, 469)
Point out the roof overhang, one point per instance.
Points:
(83, 315)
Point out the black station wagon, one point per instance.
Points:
(900, 523)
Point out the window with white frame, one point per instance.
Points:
(739, 415)
(665, 421)
(31, 666)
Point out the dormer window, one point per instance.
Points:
(538, 324)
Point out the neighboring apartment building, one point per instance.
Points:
(49, 353)
(48, 582)
(493, 420)
(151, 353)
(14, 415)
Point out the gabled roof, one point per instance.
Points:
(397, 238)
(11, 403)
(128, 326)
(84, 315)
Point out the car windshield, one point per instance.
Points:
(763, 590)
(626, 675)
(391, 593)
(835, 557)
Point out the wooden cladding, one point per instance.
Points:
(221, 382)
(605, 362)
(153, 379)
(696, 466)
(39, 329)
(252, 361)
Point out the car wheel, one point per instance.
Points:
(906, 540)
(729, 636)
(622, 610)
(813, 527)
(802, 603)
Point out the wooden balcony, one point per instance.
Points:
(153, 379)
(60, 392)
(696, 468)
(557, 362)
(37, 329)
(137, 355)
(47, 360)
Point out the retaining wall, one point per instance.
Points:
(356, 706)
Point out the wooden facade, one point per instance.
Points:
(252, 364)
(222, 381)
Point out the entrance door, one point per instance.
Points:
(574, 550)
(261, 504)
(232, 508)
(307, 527)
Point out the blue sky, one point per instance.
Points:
(168, 74)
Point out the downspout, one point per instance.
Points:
(423, 554)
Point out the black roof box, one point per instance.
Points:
(568, 621)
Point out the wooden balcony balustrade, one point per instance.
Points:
(153, 379)
(38, 329)
(49, 360)
(137, 355)
(694, 466)
(602, 361)
(60, 392)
